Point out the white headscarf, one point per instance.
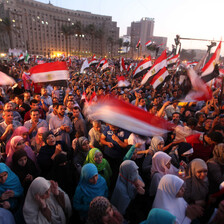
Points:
(166, 199)
(31, 210)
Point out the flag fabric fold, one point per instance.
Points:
(148, 43)
(160, 78)
(210, 65)
(160, 63)
(101, 63)
(122, 65)
(48, 72)
(6, 80)
(138, 44)
(105, 65)
(93, 60)
(85, 65)
(122, 82)
(128, 117)
(142, 67)
(200, 91)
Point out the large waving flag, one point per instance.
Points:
(210, 77)
(49, 72)
(128, 117)
(200, 91)
(210, 65)
(172, 61)
(85, 65)
(142, 67)
(160, 78)
(101, 63)
(160, 63)
(122, 82)
(6, 80)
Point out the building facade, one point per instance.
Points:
(37, 28)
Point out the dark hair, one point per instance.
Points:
(20, 97)
(151, 106)
(215, 136)
(35, 94)
(34, 110)
(55, 105)
(176, 113)
(76, 108)
(33, 101)
(192, 121)
(60, 104)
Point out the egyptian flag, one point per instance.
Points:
(192, 64)
(209, 77)
(69, 62)
(160, 78)
(142, 67)
(127, 116)
(159, 64)
(201, 63)
(199, 91)
(101, 63)
(122, 82)
(138, 44)
(148, 43)
(85, 65)
(21, 57)
(172, 61)
(105, 65)
(49, 72)
(89, 99)
(93, 60)
(210, 65)
(122, 65)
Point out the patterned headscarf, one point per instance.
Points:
(97, 209)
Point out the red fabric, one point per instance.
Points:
(201, 149)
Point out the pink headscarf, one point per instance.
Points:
(12, 146)
(41, 130)
(17, 132)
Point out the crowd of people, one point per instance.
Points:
(58, 166)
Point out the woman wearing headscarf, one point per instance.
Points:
(157, 144)
(65, 174)
(38, 141)
(161, 165)
(101, 211)
(17, 143)
(46, 203)
(48, 152)
(169, 196)
(91, 185)
(95, 156)
(80, 152)
(128, 184)
(196, 189)
(216, 168)
(24, 168)
(10, 188)
(19, 131)
(159, 216)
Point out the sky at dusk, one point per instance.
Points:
(201, 19)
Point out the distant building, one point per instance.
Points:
(143, 30)
(37, 29)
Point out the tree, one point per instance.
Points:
(120, 43)
(79, 31)
(67, 31)
(7, 27)
(110, 40)
(91, 30)
(100, 35)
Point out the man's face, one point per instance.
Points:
(153, 110)
(8, 106)
(97, 127)
(142, 102)
(8, 117)
(26, 96)
(208, 124)
(176, 118)
(37, 97)
(35, 116)
(61, 110)
(70, 105)
(113, 128)
(43, 92)
(34, 106)
(76, 113)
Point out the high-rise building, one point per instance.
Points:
(143, 31)
(37, 28)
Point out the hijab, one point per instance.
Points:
(166, 199)
(13, 144)
(19, 131)
(196, 189)
(155, 142)
(41, 130)
(91, 190)
(159, 161)
(31, 209)
(159, 216)
(12, 182)
(218, 153)
(6, 217)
